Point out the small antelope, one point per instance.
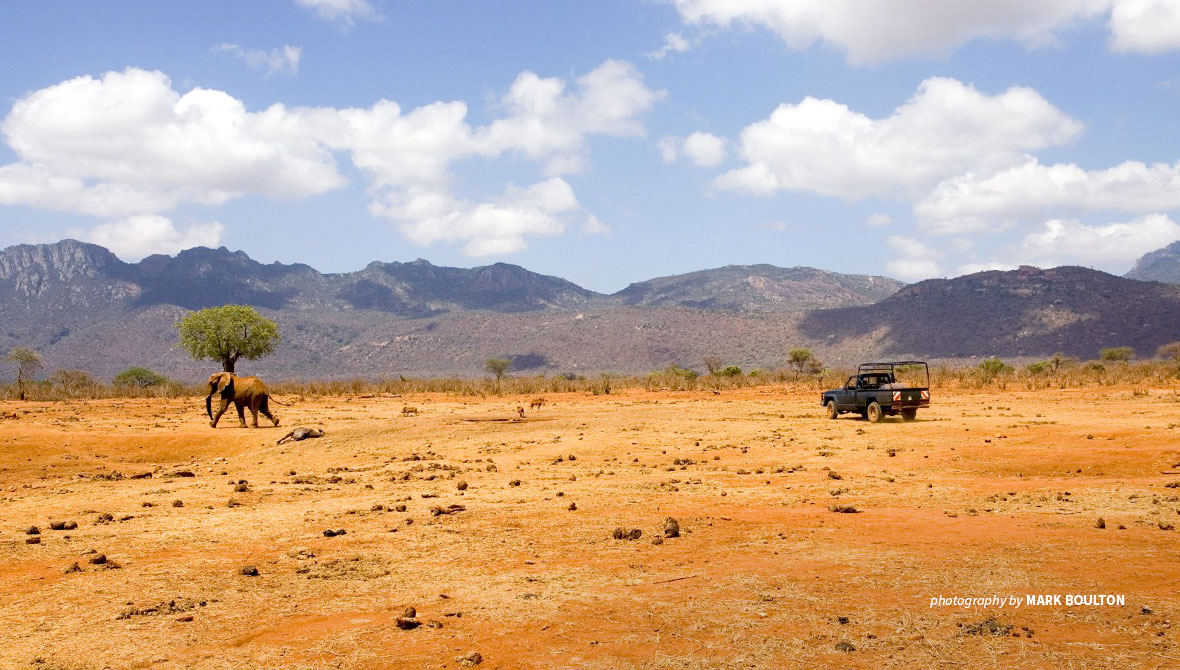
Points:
(536, 403)
(520, 411)
(409, 411)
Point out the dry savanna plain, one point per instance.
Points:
(182, 546)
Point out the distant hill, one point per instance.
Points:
(82, 307)
(1159, 265)
(1024, 312)
(759, 287)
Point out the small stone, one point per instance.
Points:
(249, 571)
(845, 646)
(1101, 523)
(657, 540)
(573, 507)
(406, 623)
(70, 525)
(410, 613)
(469, 659)
(514, 482)
(178, 503)
(72, 568)
(32, 530)
(462, 485)
(329, 533)
(57, 525)
(33, 540)
(671, 527)
(399, 508)
(241, 488)
(98, 560)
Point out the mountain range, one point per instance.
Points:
(82, 307)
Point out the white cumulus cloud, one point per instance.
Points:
(343, 12)
(823, 147)
(128, 145)
(976, 202)
(283, 60)
(912, 259)
(1062, 241)
(1149, 26)
(876, 30)
(135, 237)
(673, 43)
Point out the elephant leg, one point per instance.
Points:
(264, 407)
(254, 411)
(220, 411)
(241, 413)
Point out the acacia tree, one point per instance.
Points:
(228, 333)
(799, 358)
(498, 366)
(27, 363)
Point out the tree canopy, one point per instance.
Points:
(227, 334)
(498, 366)
(27, 363)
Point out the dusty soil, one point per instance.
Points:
(988, 493)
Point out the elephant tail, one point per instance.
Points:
(272, 399)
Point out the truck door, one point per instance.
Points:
(846, 397)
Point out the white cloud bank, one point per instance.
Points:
(128, 147)
(135, 237)
(822, 146)
(703, 149)
(876, 30)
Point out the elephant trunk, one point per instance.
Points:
(209, 406)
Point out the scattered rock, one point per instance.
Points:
(406, 623)
(449, 509)
(843, 509)
(178, 503)
(573, 507)
(33, 540)
(671, 527)
(333, 533)
(832, 474)
(987, 627)
(514, 482)
(399, 508)
(249, 571)
(241, 488)
(98, 560)
(462, 485)
(845, 646)
(657, 540)
(410, 613)
(32, 530)
(469, 659)
(625, 534)
(1101, 523)
(72, 568)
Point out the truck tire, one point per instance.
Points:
(832, 411)
(873, 411)
(909, 414)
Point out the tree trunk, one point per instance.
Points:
(228, 364)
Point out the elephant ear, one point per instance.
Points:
(227, 387)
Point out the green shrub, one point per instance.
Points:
(139, 377)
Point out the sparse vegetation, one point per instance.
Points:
(27, 363)
(1117, 354)
(498, 366)
(798, 358)
(139, 377)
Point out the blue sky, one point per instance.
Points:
(605, 142)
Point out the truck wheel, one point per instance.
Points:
(874, 412)
(832, 411)
(909, 414)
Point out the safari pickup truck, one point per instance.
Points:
(880, 389)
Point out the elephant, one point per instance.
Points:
(243, 392)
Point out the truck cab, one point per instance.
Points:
(882, 389)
